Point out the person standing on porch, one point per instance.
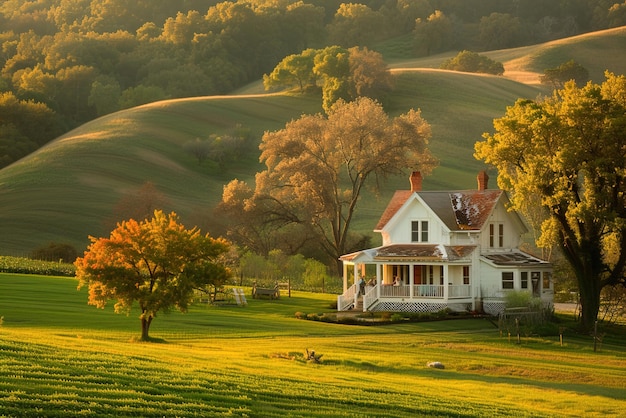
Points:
(361, 287)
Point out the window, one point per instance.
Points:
(492, 235)
(466, 274)
(547, 279)
(419, 231)
(524, 280)
(507, 280)
(424, 225)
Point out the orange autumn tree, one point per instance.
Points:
(156, 263)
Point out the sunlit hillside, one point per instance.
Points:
(69, 189)
(526, 64)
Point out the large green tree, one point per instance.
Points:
(318, 167)
(156, 262)
(569, 151)
(343, 73)
(355, 24)
(433, 34)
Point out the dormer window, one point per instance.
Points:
(419, 231)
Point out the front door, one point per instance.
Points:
(417, 274)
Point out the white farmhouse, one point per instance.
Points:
(444, 249)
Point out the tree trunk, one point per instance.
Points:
(589, 286)
(146, 320)
(589, 302)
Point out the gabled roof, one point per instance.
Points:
(458, 210)
(397, 201)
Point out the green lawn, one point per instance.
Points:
(60, 357)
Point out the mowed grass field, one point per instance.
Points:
(69, 189)
(60, 357)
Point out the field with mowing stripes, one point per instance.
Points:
(60, 357)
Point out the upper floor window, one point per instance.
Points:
(496, 237)
(419, 231)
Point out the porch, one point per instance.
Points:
(409, 278)
(406, 298)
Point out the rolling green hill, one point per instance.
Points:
(69, 189)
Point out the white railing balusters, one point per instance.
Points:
(420, 291)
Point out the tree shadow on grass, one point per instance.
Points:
(152, 340)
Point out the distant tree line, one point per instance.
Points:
(82, 59)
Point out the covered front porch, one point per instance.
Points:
(408, 278)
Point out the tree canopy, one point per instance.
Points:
(318, 167)
(568, 150)
(570, 70)
(156, 262)
(343, 73)
(471, 62)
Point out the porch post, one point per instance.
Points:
(446, 284)
(411, 280)
(379, 279)
(345, 277)
(356, 280)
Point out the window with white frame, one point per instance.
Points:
(419, 231)
(507, 280)
(496, 235)
(547, 280)
(466, 274)
(524, 280)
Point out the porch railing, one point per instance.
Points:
(369, 298)
(459, 291)
(344, 301)
(422, 291)
(425, 291)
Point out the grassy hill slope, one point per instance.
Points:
(597, 51)
(68, 189)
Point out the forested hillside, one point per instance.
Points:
(64, 63)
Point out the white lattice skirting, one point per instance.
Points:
(494, 308)
(420, 307)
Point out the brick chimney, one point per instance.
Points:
(483, 180)
(416, 181)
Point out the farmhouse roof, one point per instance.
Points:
(432, 252)
(458, 210)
